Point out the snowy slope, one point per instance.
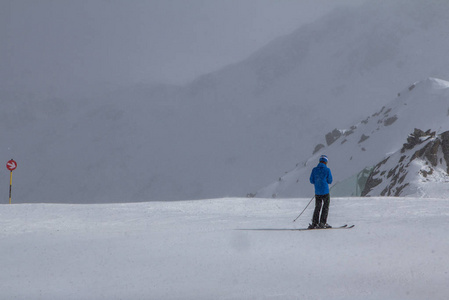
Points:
(423, 105)
(229, 132)
(191, 250)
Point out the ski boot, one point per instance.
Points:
(324, 225)
(312, 226)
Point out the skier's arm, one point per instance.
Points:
(329, 177)
(312, 178)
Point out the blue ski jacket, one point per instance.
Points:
(321, 177)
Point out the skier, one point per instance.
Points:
(321, 177)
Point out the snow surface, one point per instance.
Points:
(194, 250)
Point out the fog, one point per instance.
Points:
(62, 47)
(277, 81)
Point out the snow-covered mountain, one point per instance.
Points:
(230, 132)
(400, 150)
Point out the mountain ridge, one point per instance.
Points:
(370, 142)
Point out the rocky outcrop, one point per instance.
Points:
(389, 121)
(417, 137)
(332, 136)
(426, 151)
(318, 148)
(363, 138)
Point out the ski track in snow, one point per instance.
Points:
(192, 250)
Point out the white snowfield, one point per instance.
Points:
(194, 250)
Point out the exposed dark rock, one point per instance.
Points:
(401, 180)
(390, 120)
(318, 148)
(445, 147)
(399, 190)
(332, 136)
(372, 182)
(348, 132)
(429, 152)
(392, 172)
(363, 138)
(417, 137)
(379, 112)
(424, 173)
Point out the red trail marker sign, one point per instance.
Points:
(11, 165)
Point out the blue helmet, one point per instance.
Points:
(323, 158)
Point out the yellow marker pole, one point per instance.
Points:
(10, 186)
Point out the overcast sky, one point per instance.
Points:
(57, 44)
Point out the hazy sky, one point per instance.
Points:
(57, 44)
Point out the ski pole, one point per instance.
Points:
(304, 209)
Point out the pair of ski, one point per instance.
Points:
(338, 227)
(302, 229)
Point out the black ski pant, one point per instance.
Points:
(324, 201)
